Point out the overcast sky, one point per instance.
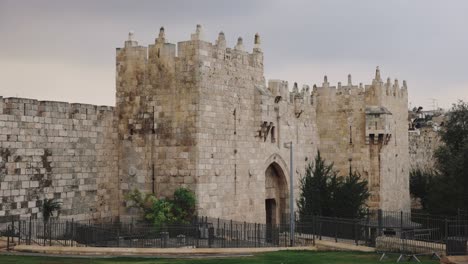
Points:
(65, 50)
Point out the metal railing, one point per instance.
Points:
(397, 232)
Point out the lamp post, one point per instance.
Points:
(291, 192)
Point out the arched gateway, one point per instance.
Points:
(276, 194)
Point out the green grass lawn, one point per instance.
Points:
(285, 257)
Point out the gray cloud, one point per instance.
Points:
(64, 50)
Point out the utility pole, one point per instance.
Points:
(291, 192)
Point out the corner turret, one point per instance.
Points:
(325, 84)
(221, 41)
(130, 42)
(161, 37)
(377, 75)
(396, 88)
(161, 50)
(198, 35)
(240, 44)
(257, 43)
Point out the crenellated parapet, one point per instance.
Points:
(196, 47)
(375, 92)
(22, 107)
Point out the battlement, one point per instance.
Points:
(280, 90)
(196, 46)
(36, 108)
(375, 93)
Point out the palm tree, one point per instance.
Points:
(49, 206)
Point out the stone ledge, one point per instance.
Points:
(331, 245)
(97, 251)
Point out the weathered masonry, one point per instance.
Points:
(200, 115)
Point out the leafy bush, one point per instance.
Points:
(184, 205)
(160, 212)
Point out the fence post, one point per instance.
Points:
(320, 228)
(8, 238)
(12, 229)
(336, 229)
(245, 232)
(118, 237)
(72, 232)
(313, 230)
(224, 235)
(380, 222)
(197, 234)
(50, 234)
(30, 230)
(401, 223)
(19, 232)
(44, 234)
(210, 236)
(356, 239)
(446, 230)
(255, 234)
(237, 236)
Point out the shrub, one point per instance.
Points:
(160, 212)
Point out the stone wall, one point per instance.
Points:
(347, 118)
(57, 150)
(423, 143)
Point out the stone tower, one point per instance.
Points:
(206, 119)
(364, 129)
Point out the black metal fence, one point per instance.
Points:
(203, 232)
(399, 232)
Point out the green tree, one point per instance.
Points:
(351, 197)
(314, 198)
(322, 192)
(49, 206)
(448, 190)
(420, 181)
